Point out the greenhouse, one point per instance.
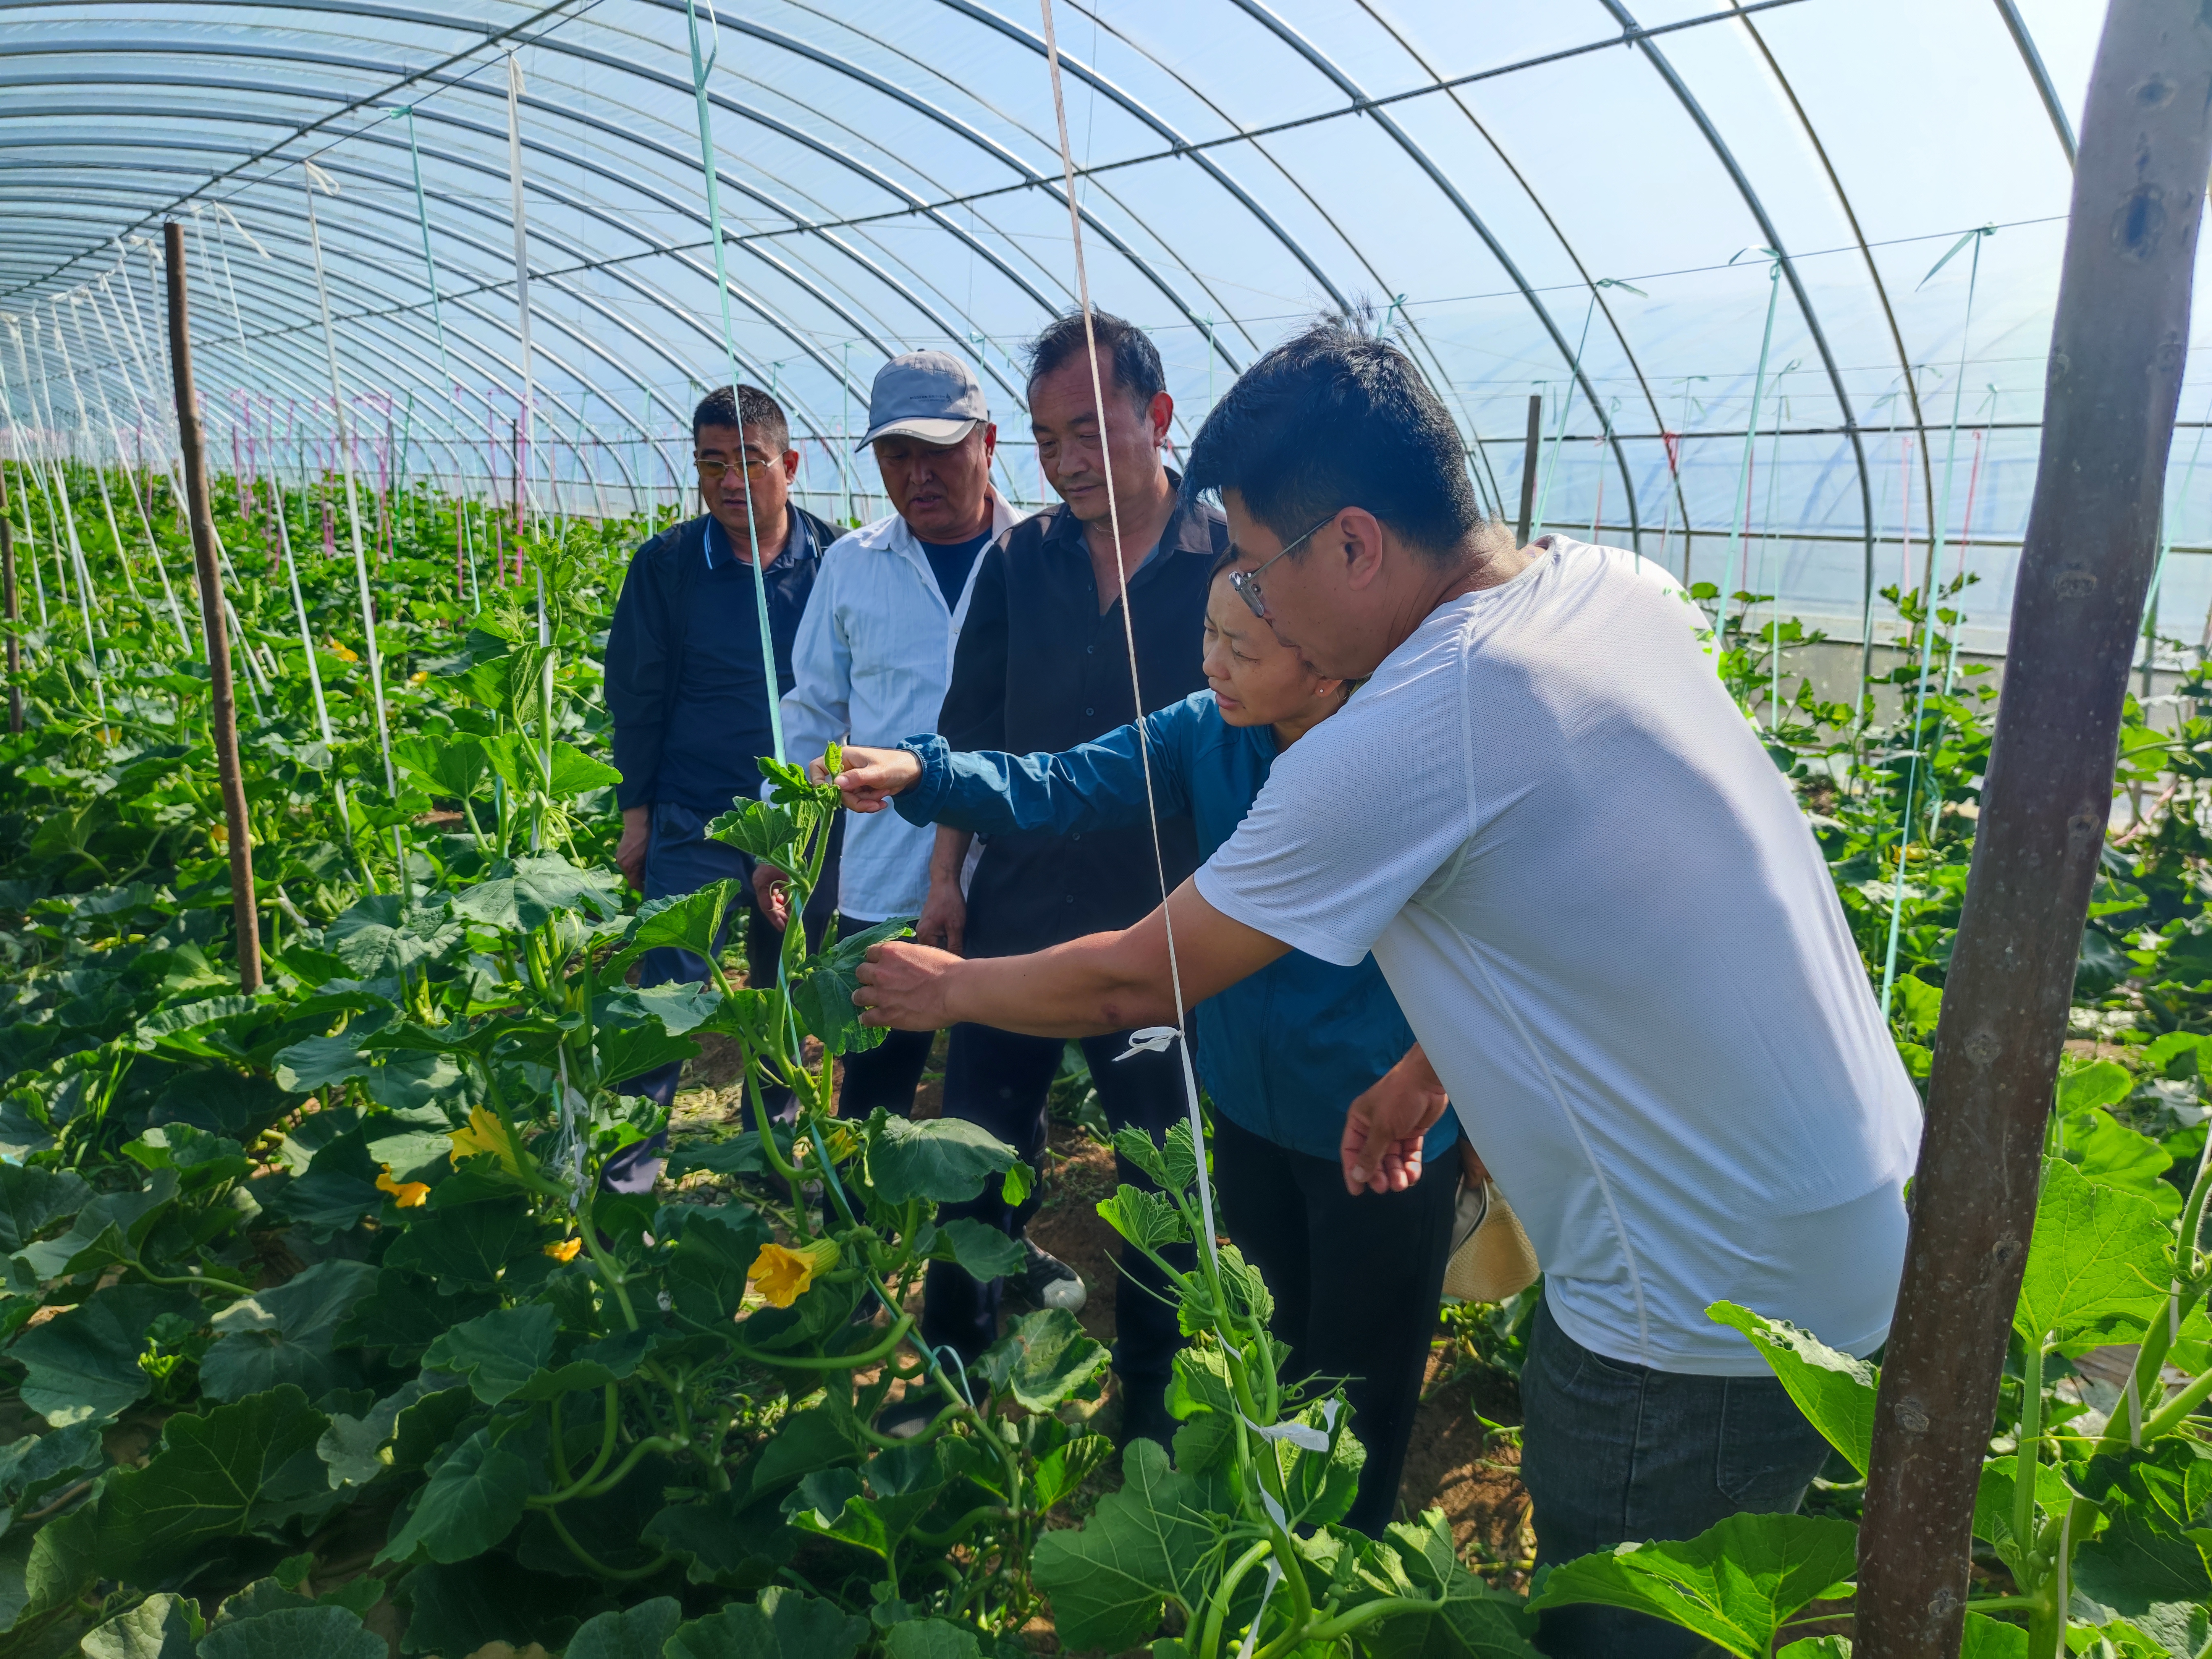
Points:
(670, 988)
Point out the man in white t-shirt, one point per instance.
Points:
(1606, 920)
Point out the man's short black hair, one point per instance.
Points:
(744, 406)
(1334, 418)
(1128, 349)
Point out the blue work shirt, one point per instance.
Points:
(694, 738)
(1284, 1052)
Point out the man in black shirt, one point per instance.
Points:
(685, 683)
(1043, 664)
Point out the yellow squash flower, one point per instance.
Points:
(405, 1193)
(343, 654)
(565, 1250)
(783, 1274)
(486, 1134)
(418, 677)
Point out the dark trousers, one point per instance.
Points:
(1615, 1453)
(1356, 1283)
(887, 1075)
(680, 858)
(999, 1080)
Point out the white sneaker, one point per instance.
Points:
(1051, 1282)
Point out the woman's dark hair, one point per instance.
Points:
(741, 407)
(1334, 418)
(1135, 360)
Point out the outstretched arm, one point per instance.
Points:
(1106, 983)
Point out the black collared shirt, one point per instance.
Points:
(1040, 668)
(685, 685)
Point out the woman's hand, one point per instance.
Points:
(1383, 1130)
(871, 776)
(772, 892)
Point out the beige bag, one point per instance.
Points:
(1491, 1258)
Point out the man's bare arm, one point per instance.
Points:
(1107, 982)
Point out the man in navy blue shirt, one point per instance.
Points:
(685, 683)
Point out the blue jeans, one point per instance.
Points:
(1615, 1453)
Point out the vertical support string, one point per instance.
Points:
(1740, 504)
(353, 515)
(1129, 633)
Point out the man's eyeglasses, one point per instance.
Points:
(713, 469)
(1247, 582)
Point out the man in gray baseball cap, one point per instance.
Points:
(928, 396)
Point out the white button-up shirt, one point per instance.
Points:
(872, 661)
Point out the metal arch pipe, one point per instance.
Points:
(2017, 26)
(753, 246)
(1351, 88)
(1129, 104)
(258, 281)
(1696, 111)
(616, 220)
(1888, 313)
(406, 251)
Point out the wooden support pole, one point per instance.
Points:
(1529, 467)
(224, 720)
(2118, 344)
(10, 602)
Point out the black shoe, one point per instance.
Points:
(1048, 1281)
(1144, 1415)
(904, 1418)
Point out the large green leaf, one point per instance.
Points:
(525, 894)
(469, 1246)
(982, 1251)
(337, 1190)
(32, 1200)
(1146, 1219)
(498, 1352)
(285, 1334)
(352, 1447)
(406, 1314)
(38, 1464)
(457, 766)
(629, 1051)
(316, 1062)
(930, 1639)
(327, 1632)
(1044, 1360)
(2107, 1150)
(725, 1540)
(1470, 1621)
(2157, 1547)
(690, 921)
(83, 1366)
(783, 1625)
(2100, 1083)
(2100, 1254)
(1736, 1584)
(457, 1609)
(638, 1632)
(945, 1159)
(773, 832)
(714, 1254)
(1110, 1581)
(160, 1627)
(678, 1007)
(380, 936)
(234, 1470)
(821, 995)
(107, 1230)
(474, 1499)
(43, 1574)
(1835, 1391)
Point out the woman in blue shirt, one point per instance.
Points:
(1282, 1053)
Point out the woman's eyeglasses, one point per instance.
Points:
(1247, 582)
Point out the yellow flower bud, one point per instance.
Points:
(565, 1250)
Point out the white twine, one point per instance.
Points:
(316, 175)
(153, 545)
(69, 520)
(1128, 630)
(27, 458)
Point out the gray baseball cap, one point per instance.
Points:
(929, 395)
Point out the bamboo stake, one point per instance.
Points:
(244, 915)
(2117, 356)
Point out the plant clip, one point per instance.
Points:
(1153, 1040)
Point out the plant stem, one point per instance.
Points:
(2031, 1454)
